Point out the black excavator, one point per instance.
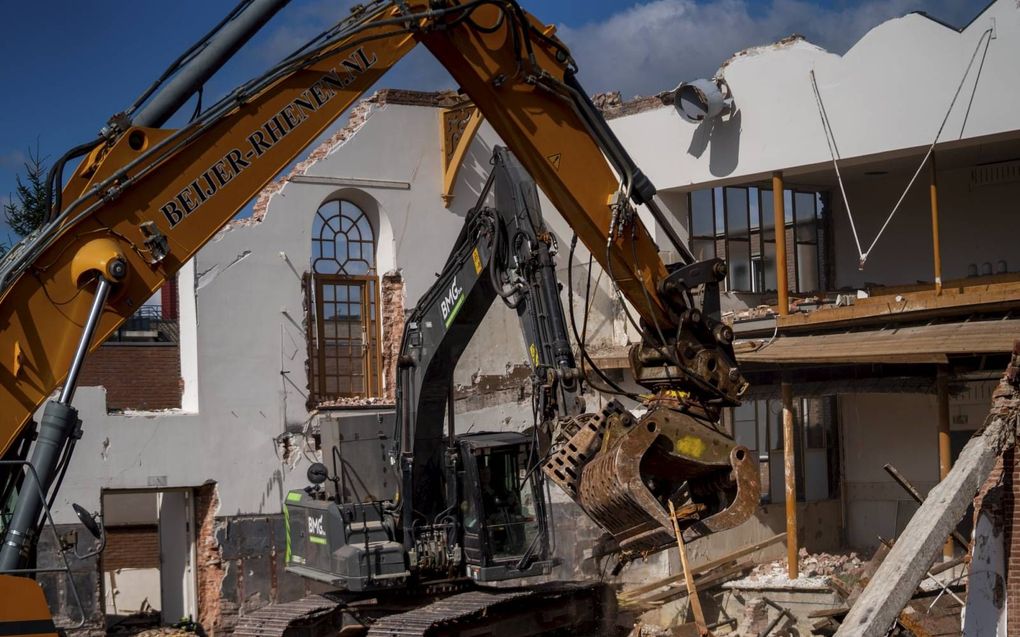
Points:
(400, 504)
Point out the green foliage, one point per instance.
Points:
(28, 209)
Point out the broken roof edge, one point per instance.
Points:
(359, 115)
(925, 14)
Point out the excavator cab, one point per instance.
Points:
(492, 525)
(504, 508)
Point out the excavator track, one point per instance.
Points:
(308, 617)
(548, 609)
(567, 609)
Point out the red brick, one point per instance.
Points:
(136, 376)
(131, 547)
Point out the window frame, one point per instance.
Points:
(756, 238)
(328, 271)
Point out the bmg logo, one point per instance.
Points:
(315, 526)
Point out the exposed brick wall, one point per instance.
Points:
(998, 496)
(393, 299)
(131, 547)
(210, 562)
(143, 377)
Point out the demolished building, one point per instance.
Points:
(205, 413)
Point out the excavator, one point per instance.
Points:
(477, 510)
(144, 198)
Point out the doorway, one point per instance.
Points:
(149, 562)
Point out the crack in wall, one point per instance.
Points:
(206, 277)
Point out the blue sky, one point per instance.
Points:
(71, 64)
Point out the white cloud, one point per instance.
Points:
(653, 46)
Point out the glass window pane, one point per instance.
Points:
(703, 249)
(702, 224)
(769, 267)
(814, 424)
(737, 226)
(807, 267)
(775, 408)
(768, 215)
(745, 427)
(804, 203)
(788, 206)
(739, 261)
(720, 209)
(752, 200)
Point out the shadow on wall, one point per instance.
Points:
(474, 172)
(723, 136)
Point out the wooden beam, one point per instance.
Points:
(704, 568)
(457, 129)
(916, 495)
(779, 225)
(929, 343)
(1002, 295)
(790, 477)
(692, 589)
(909, 560)
(935, 226)
(703, 583)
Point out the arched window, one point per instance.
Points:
(343, 241)
(345, 360)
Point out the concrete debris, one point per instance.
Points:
(355, 402)
(818, 565)
(641, 629)
(815, 571)
(165, 631)
(756, 616)
(608, 100)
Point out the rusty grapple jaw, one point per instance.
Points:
(624, 471)
(698, 357)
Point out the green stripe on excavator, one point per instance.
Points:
(456, 308)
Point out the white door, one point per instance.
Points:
(177, 555)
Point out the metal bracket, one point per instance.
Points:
(155, 242)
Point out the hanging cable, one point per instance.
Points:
(830, 139)
(834, 150)
(613, 387)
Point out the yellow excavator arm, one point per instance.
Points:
(144, 185)
(144, 200)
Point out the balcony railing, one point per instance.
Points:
(148, 325)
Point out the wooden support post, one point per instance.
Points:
(779, 208)
(790, 478)
(935, 227)
(945, 443)
(692, 591)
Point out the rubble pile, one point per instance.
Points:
(368, 401)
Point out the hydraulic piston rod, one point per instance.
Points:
(57, 427)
